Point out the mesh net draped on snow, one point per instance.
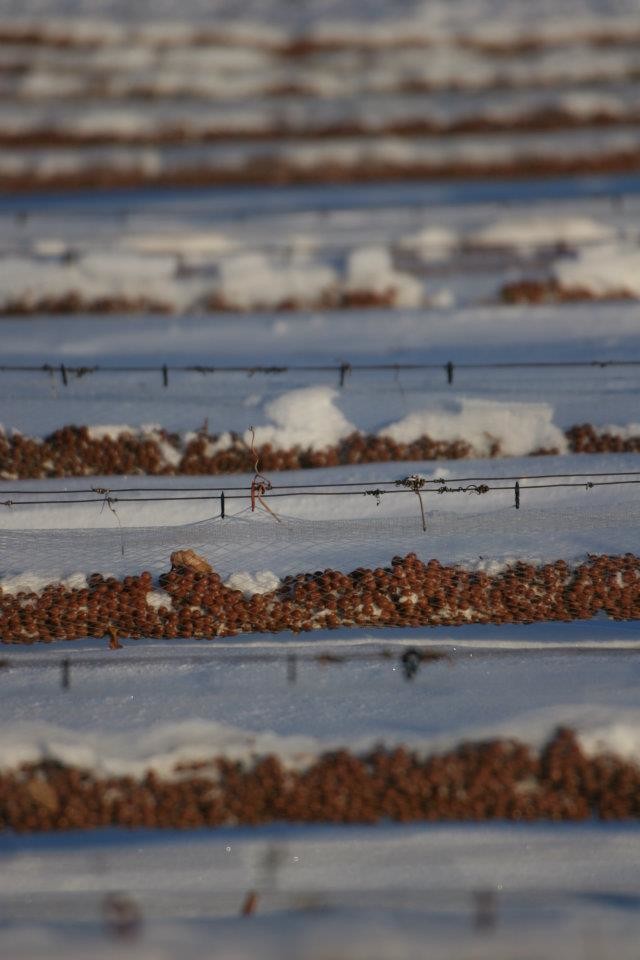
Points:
(256, 542)
(234, 576)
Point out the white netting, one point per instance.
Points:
(257, 542)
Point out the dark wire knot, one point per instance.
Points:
(415, 483)
(471, 488)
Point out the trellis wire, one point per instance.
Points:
(615, 190)
(450, 653)
(408, 658)
(109, 499)
(319, 658)
(480, 909)
(313, 486)
(341, 369)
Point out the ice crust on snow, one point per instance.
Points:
(518, 427)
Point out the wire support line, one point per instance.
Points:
(363, 491)
(612, 195)
(343, 370)
(321, 658)
(310, 487)
(83, 369)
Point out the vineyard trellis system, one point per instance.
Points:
(409, 659)
(614, 191)
(414, 484)
(342, 370)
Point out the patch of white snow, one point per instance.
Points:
(306, 418)
(518, 427)
(264, 581)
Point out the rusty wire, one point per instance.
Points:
(247, 492)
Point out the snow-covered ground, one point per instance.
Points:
(95, 92)
(130, 708)
(288, 278)
(425, 257)
(152, 703)
(549, 892)
(545, 884)
(38, 403)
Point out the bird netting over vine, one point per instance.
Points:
(256, 574)
(254, 542)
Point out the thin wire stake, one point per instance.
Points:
(485, 913)
(415, 484)
(450, 372)
(109, 502)
(249, 904)
(424, 519)
(516, 491)
(63, 374)
(259, 484)
(222, 513)
(345, 368)
(410, 660)
(165, 375)
(292, 668)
